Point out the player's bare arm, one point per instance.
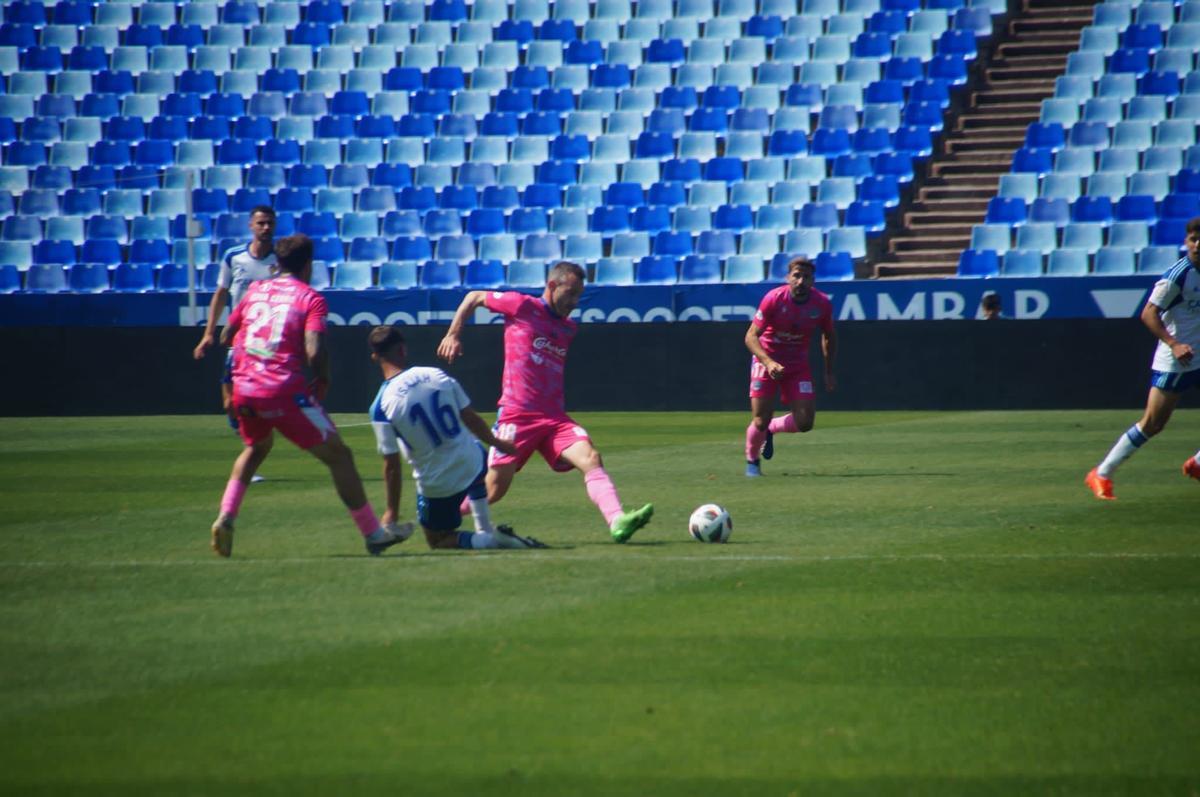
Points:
(220, 297)
(393, 480)
(774, 369)
(450, 349)
(829, 353)
(1152, 318)
(483, 432)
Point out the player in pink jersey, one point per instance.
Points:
(778, 338)
(537, 333)
(277, 329)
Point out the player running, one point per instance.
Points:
(778, 338)
(537, 333)
(422, 412)
(277, 329)
(1173, 316)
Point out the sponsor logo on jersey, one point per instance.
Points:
(544, 344)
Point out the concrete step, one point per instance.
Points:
(972, 167)
(1031, 61)
(1033, 92)
(946, 211)
(947, 247)
(988, 149)
(1040, 45)
(914, 270)
(1000, 75)
(935, 193)
(1051, 24)
(1000, 117)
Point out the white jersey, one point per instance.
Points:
(239, 268)
(416, 412)
(1177, 295)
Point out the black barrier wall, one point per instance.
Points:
(946, 365)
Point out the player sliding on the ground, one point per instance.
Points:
(278, 328)
(537, 333)
(1173, 316)
(422, 412)
(778, 338)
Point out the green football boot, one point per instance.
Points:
(625, 524)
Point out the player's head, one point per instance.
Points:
(262, 223)
(1192, 242)
(564, 286)
(387, 346)
(801, 274)
(990, 304)
(294, 255)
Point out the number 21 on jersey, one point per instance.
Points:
(264, 328)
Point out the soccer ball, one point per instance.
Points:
(710, 523)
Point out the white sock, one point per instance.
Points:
(1123, 449)
(481, 515)
(482, 540)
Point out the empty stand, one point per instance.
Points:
(979, 144)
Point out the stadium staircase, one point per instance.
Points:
(978, 148)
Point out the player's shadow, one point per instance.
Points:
(882, 474)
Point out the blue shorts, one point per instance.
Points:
(443, 514)
(227, 374)
(1175, 381)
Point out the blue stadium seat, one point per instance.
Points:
(976, 263)
(45, 279)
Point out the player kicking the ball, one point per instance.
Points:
(277, 329)
(422, 412)
(1173, 316)
(778, 338)
(537, 333)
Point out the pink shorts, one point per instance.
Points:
(299, 418)
(549, 436)
(796, 382)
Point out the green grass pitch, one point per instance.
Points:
(911, 603)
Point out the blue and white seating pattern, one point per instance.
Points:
(1110, 175)
(669, 140)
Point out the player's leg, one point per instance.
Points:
(336, 456)
(440, 519)
(581, 454)
(1160, 404)
(796, 391)
(762, 410)
(763, 392)
(258, 440)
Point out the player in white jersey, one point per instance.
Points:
(240, 266)
(1173, 315)
(425, 414)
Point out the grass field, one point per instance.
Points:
(911, 603)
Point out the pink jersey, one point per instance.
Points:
(268, 350)
(788, 326)
(535, 353)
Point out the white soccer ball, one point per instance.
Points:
(710, 523)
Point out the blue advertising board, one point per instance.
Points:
(860, 300)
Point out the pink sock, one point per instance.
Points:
(754, 442)
(364, 518)
(603, 493)
(464, 508)
(231, 501)
(784, 423)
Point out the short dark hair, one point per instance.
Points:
(266, 210)
(564, 267)
(991, 301)
(800, 261)
(293, 253)
(1193, 227)
(384, 338)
